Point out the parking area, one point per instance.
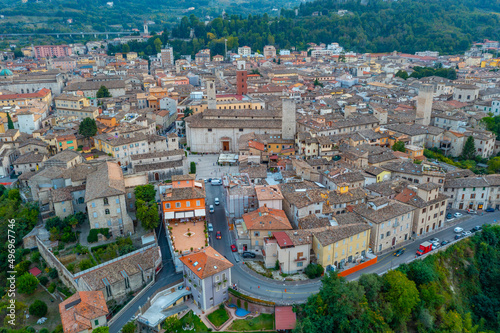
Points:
(206, 166)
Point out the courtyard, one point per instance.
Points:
(188, 236)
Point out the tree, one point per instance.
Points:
(399, 146)
(494, 165)
(157, 44)
(129, 327)
(313, 271)
(147, 213)
(469, 151)
(402, 294)
(38, 308)
(317, 83)
(10, 123)
(27, 284)
(171, 324)
(192, 167)
(402, 74)
(145, 192)
(125, 48)
(103, 92)
(187, 112)
(101, 329)
(88, 127)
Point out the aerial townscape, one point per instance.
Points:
(314, 168)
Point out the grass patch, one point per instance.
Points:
(262, 322)
(218, 317)
(199, 326)
(53, 317)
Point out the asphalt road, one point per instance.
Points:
(272, 290)
(291, 292)
(166, 276)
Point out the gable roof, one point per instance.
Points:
(266, 218)
(206, 262)
(106, 181)
(79, 310)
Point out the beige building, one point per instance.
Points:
(390, 221)
(292, 249)
(261, 223)
(342, 244)
(430, 207)
(105, 200)
(83, 312)
(77, 106)
(269, 196)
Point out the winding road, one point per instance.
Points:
(253, 284)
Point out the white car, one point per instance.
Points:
(216, 201)
(458, 230)
(466, 233)
(210, 227)
(457, 214)
(211, 208)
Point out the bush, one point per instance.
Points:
(313, 271)
(43, 280)
(23, 267)
(53, 273)
(85, 264)
(71, 267)
(38, 308)
(27, 284)
(92, 237)
(35, 256)
(52, 287)
(44, 330)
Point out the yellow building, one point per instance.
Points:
(224, 102)
(43, 95)
(414, 152)
(77, 106)
(341, 244)
(490, 63)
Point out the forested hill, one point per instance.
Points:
(447, 26)
(456, 290)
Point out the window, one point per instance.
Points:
(167, 205)
(210, 130)
(95, 215)
(96, 322)
(118, 210)
(197, 202)
(177, 205)
(117, 200)
(109, 223)
(256, 233)
(106, 211)
(241, 129)
(300, 264)
(129, 195)
(93, 205)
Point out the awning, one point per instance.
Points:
(189, 214)
(199, 212)
(179, 215)
(169, 215)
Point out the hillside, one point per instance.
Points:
(456, 290)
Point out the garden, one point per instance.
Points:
(262, 322)
(219, 316)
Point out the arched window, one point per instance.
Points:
(106, 211)
(106, 201)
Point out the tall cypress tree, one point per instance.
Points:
(469, 151)
(10, 123)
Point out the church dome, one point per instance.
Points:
(6, 72)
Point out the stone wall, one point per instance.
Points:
(52, 261)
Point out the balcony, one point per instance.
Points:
(300, 259)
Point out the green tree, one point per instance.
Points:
(192, 167)
(101, 329)
(103, 92)
(317, 83)
(399, 146)
(145, 192)
(402, 74)
(10, 123)
(494, 165)
(187, 112)
(171, 324)
(85, 264)
(129, 327)
(38, 308)
(88, 128)
(27, 283)
(157, 44)
(402, 294)
(147, 213)
(469, 150)
(125, 48)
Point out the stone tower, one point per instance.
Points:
(146, 30)
(211, 96)
(424, 104)
(288, 119)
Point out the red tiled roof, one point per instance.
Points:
(206, 263)
(41, 93)
(285, 318)
(35, 271)
(282, 239)
(256, 145)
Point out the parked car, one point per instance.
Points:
(216, 181)
(466, 233)
(458, 230)
(490, 209)
(434, 240)
(210, 227)
(216, 201)
(399, 252)
(449, 216)
(218, 235)
(248, 255)
(211, 208)
(443, 243)
(471, 211)
(234, 248)
(457, 214)
(458, 236)
(476, 228)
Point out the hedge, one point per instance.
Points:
(250, 299)
(92, 237)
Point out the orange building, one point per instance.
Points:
(65, 142)
(109, 121)
(185, 201)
